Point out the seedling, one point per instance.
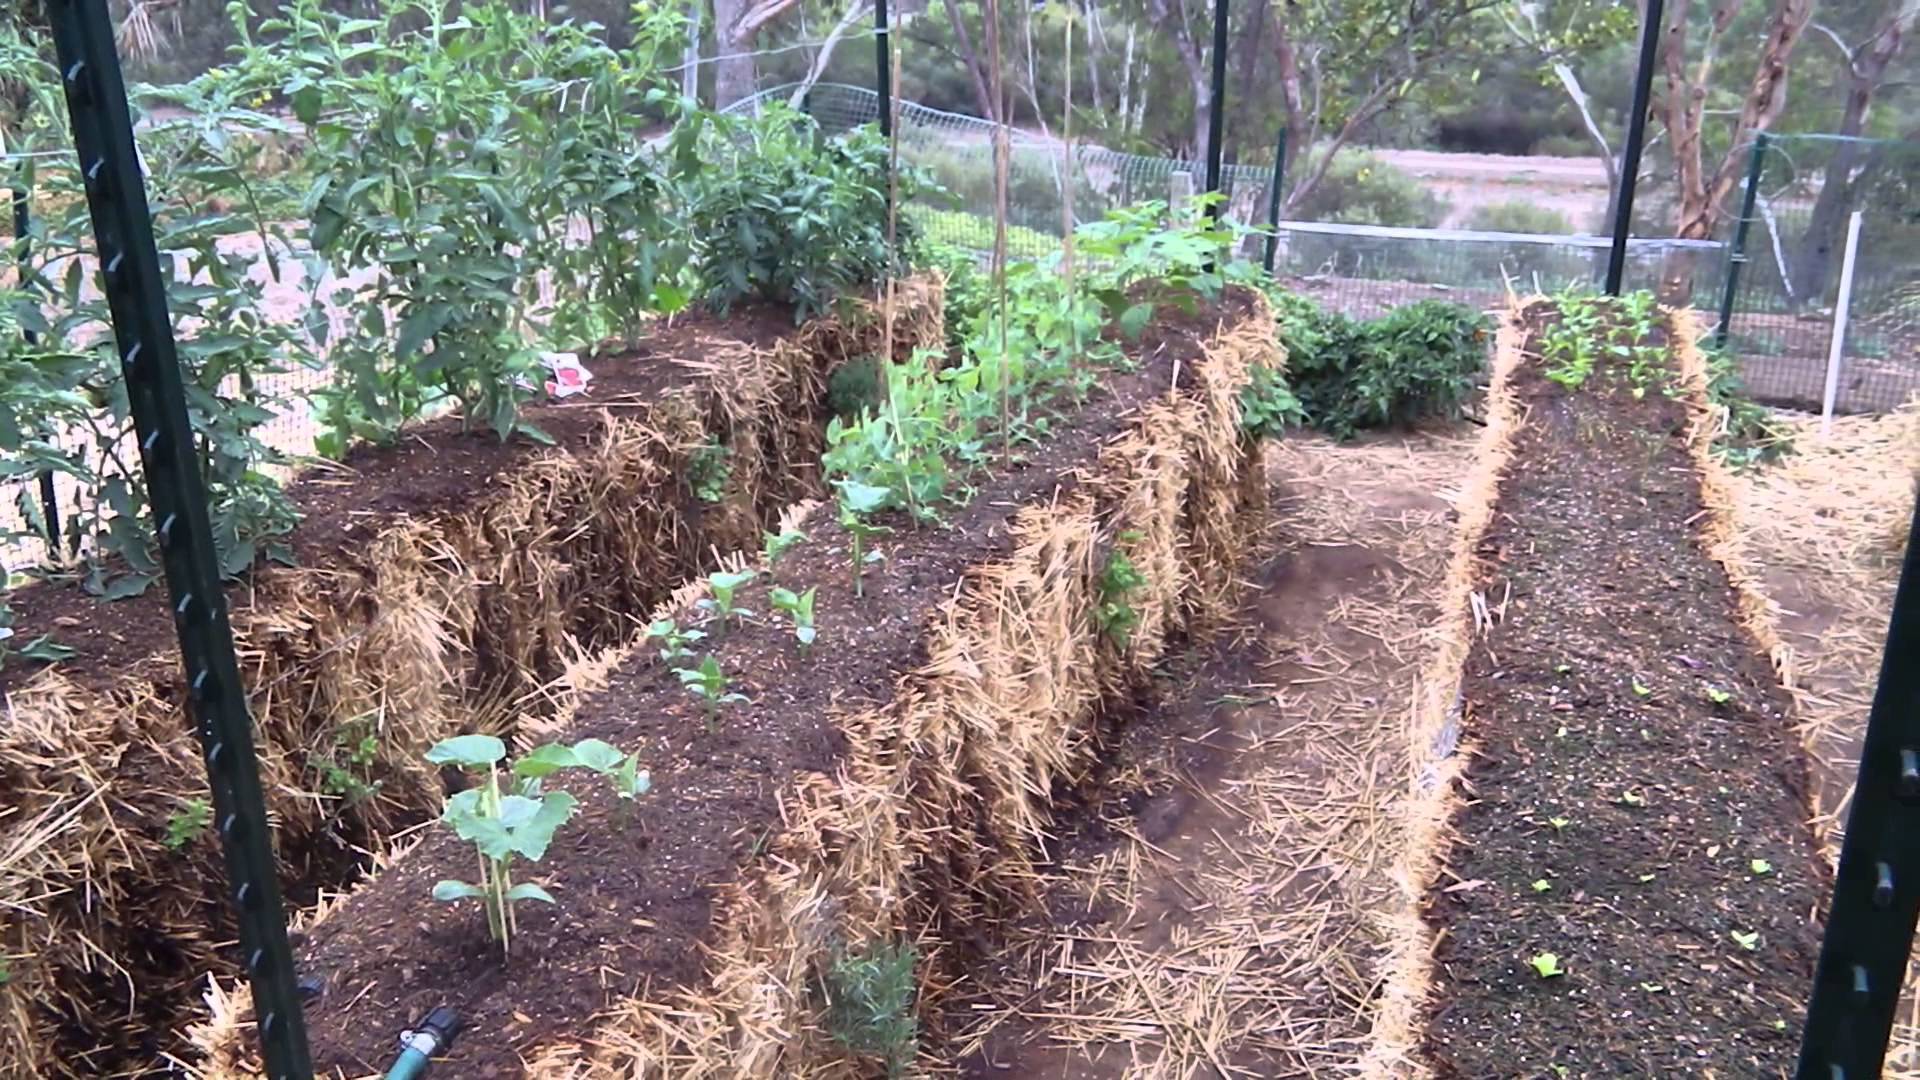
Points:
(1760, 867)
(1542, 885)
(1748, 940)
(857, 500)
(1547, 965)
(777, 544)
(708, 683)
(1644, 878)
(1559, 823)
(674, 641)
(1633, 798)
(516, 818)
(872, 994)
(1653, 988)
(1718, 696)
(1563, 669)
(722, 585)
(187, 824)
(1640, 689)
(1119, 580)
(799, 608)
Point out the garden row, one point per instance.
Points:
(853, 733)
(1628, 882)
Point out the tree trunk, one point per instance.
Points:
(1190, 59)
(1293, 105)
(734, 75)
(1867, 67)
(961, 38)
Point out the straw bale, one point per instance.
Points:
(433, 626)
(1433, 747)
(930, 831)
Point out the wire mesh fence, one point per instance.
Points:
(1787, 293)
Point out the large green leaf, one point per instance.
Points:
(467, 751)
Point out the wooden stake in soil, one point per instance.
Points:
(1000, 152)
(1066, 182)
(893, 254)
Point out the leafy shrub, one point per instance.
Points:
(1515, 216)
(1416, 361)
(1563, 146)
(1268, 405)
(1748, 435)
(1360, 189)
(779, 211)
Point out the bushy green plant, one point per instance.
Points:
(1268, 405)
(516, 818)
(1361, 189)
(778, 210)
(1747, 435)
(1416, 361)
(871, 997)
(1119, 580)
(1515, 216)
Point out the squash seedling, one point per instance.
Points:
(1718, 696)
(708, 683)
(674, 641)
(857, 500)
(1547, 965)
(799, 608)
(1747, 939)
(723, 585)
(774, 545)
(516, 818)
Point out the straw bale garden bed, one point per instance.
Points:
(1098, 663)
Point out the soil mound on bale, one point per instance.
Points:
(450, 583)
(886, 787)
(1633, 885)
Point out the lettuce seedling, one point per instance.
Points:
(515, 818)
(799, 608)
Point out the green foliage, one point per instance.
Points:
(517, 819)
(780, 211)
(903, 446)
(710, 684)
(721, 586)
(974, 232)
(856, 387)
(709, 468)
(1747, 434)
(1515, 216)
(799, 608)
(1363, 190)
(188, 824)
(858, 502)
(345, 767)
(1592, 330)
(1268, 405)
(42, 648)
(775, 545)
(673, 639)
(1416, 361)
(1119, 580)
(871, 1001)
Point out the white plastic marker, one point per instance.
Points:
(1839, 340)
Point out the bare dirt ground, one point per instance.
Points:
(1576, 188)
(1226, 924)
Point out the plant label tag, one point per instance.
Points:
(565, 376)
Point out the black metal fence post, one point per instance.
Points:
(1636, 139)
(1876, 893)
(883, 65)
(1737, 255)
(1216, 106)
(23, 258)
(1273, 198)
(135, 287)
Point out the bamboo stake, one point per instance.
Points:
(1066, 188)
(893, 257)
(1001, 106)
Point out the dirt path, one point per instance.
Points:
(1222, 923)
(1632, 885)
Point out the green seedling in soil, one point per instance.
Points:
(1118, 582)
(799, 608)
(673, 639)
(1559, 823)
(1547, 965)
(723, 584)
(708, 683)
(1560, 732)
(1653, 988)
(778, 544)
(708, 471)
(1748, 940)
(1640, 689)
(1563, 669)
(43, 648)
(1633, 798)
(343, 772)
(1718, 696)
(511, 817)
(1760, 867)
(1542, 885)
(1644, 878)
(857, 501)
(188, 823)
(872, 994)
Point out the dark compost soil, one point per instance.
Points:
(637, 884)
(433, 468)
(1603, 767)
